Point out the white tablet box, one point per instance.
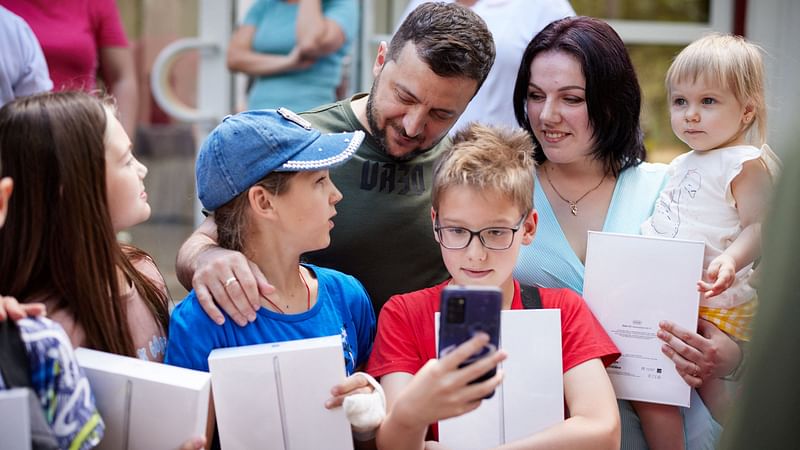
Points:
(632, 283)
(273, 395)
(144, 404)
(15, 419)
(531, 396)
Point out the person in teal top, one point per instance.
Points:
(294, 50)
(551, 261)
(577, 94)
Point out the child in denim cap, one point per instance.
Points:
(264, 175)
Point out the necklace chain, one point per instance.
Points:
(308, 296)
(573, 205)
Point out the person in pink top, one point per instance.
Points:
(80, 39)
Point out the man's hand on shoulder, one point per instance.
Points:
(10, 308)
(227, 279)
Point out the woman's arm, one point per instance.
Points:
(709, 353)
(242, 57)
(119, 76)
(316, 34)
(594, 415)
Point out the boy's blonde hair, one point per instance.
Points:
(730, 62)
(488, 158)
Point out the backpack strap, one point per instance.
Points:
(16, 373)
(15, 369)
(530, 297)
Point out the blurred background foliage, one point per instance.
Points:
(661, 10)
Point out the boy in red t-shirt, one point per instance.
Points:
(482, 213)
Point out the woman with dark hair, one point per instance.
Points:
(577, 95)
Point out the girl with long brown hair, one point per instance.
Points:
(77, 184)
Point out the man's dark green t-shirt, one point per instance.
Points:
(383, 234)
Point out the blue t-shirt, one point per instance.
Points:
(299, 90)
(343, 308)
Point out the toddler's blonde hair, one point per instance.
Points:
(730, 62)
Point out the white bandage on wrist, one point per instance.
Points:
(365, 412)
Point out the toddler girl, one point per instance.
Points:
(717, 191)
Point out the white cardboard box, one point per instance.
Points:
(531, 397)
(631, 283)
(273, 395)
(146, 405)
(15, 419)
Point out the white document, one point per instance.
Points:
(632, 283)
(144, 404)
(273, 395)
(15, 419)
(531, 396)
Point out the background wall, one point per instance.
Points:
(774, 24)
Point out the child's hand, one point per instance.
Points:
(721, 273)
(356, 383)
(12, 309)
(441, 389)
(364, 404)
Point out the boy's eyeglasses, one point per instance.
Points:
(493, 238)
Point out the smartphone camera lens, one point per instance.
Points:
(455, 309)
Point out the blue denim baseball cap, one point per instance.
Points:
(246, 147)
